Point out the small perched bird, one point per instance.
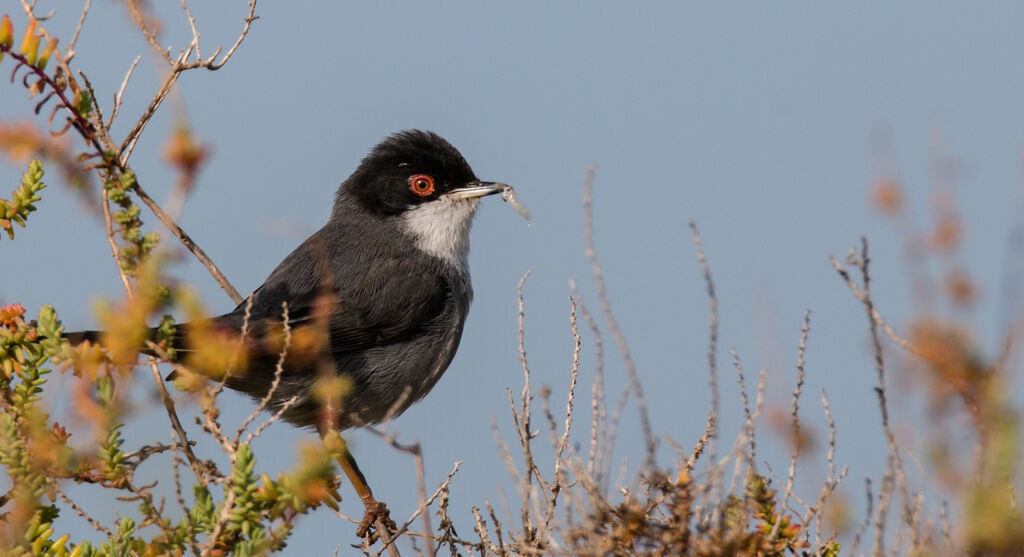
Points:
(378, 297)
(387, 278)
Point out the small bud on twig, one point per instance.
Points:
(45, 56)
(30, 31)
(6, 31)
(32, 52)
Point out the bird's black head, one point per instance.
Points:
(422, 187)
(406, 170)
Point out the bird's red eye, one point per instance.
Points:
(421, 184)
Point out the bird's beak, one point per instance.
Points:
(476, 189)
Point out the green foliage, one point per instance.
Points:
(83, 103)
(165, 336)
(29, 451)
(204, 512)
(255, 514)
(128, 223)
(245, 517)
(260, 502)
(17, 209)
(777, 533)
(110, 439)
(124, 541)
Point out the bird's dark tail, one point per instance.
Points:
(78, 337)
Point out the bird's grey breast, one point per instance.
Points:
(395, 376)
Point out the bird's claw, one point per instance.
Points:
(375, 511)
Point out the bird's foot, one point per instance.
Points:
(376, 515)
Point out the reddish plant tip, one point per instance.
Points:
(6, 31)
(887, 196)
(11, 314)
(960, 288)
(183, 151)
(60, 432)
(946, 234)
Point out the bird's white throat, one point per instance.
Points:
(441, 228)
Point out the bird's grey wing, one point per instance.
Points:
(390, 301)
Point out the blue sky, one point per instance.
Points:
(760, 122)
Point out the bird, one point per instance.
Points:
(377, 298)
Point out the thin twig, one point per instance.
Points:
(797, 498)
(832, 481)
(416, 451)
(140, 22)
(523, 421)
(81, 512)
(78, 29)
(712, 342)
(190, 244)
(794, 413)
(877, 317)
(751, 445)
(573, 375)
(195, 32)
(868, 513)
(698, 449)
(125, 150)
(269, 421)
(895, 462)
(598, 403)
(564, 439)
(114, 251)
(180, 498)
(173, 415)
(278, 371)
(609, 317)
(120, 93)
(422, 510)
(245, 31)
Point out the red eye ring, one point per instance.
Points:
(421, 184)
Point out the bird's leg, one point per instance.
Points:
(376, 512)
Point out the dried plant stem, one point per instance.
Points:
(609, 317)
(278, 371)
(225, 514)
(598, 403)
(78, 29)
(794, 414)
(180, 498)
(875, 316)
(522, 421)
(186, 447)
(81, 512)
(422, 510)
(894, 463)
(120, 93)
(251, 17)
(416, 451)
(748, 417)
(190, 245)
(563, 441)
(868, 513)
(711, 428)
(114, 251)
(140, 21)
(832, 481)
(573, 376)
